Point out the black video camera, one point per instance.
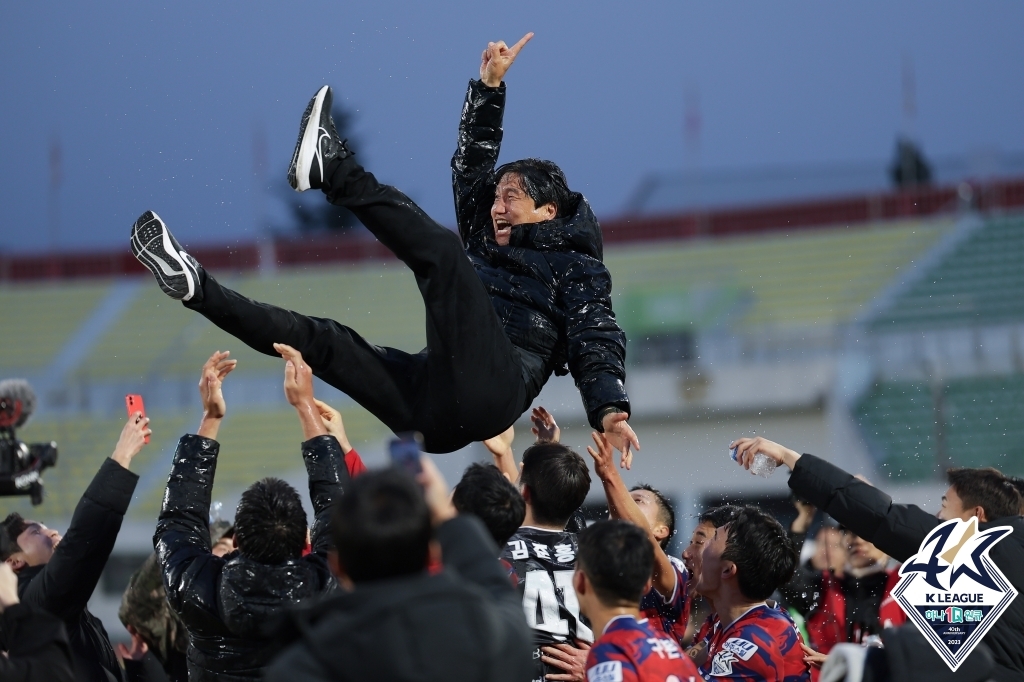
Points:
(21, 464)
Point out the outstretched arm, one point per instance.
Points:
(321, 451)
(182, 537)
(896, 529)
(480, 138)
(66, 584)
(597, 352)
(621, 505)
(500, 447)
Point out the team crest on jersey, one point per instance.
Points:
(952, 591)
(734, 649)
(608, 671)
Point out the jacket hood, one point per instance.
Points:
(580, 232)
(251, 592)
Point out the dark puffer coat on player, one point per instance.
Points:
(225, 602)
(549, 286)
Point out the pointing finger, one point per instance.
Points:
(522, 41)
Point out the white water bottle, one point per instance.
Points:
(763, 465)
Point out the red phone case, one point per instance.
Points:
(133, 402)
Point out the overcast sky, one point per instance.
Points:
(162, 107)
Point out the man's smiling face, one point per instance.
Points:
(513, 206)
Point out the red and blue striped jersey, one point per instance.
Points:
(761, 645)
(670, 615)
(630, 650)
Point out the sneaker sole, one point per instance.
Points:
(309, 140)
(158, 252)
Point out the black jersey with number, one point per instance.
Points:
(544, 561)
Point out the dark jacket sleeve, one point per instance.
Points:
(896, 529)
(596, 344)
(477, 153)
(182, 538)
(64, 587)
(328, 478)
(38, 649)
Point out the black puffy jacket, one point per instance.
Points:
(64, 585)
(226, 601)
(549, 287)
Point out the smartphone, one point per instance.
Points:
(133, 401)
(405, 452)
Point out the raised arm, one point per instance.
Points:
(480, 138)
(597, 352)
(896, 529)
(321, 451)
(621, 505)
(182, 537)
(500, 447)
(65, 586)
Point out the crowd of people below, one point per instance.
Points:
(396, 577)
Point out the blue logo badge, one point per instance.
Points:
(952, 591)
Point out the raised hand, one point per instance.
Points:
(621, 436)
(544, 426)
(604, 455)
(132, 440)
(298, 376)
(501, 445)
(211, 383)
(497, 58)
(746, 448)
(335, 426)
(435, 492)
(8, 587)
(500, 448)
(298, 389)
(138, 649)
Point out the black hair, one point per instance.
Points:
(1018, 483)
(558, 480)
(718, 516)
(487, 494)
(270, 523)
(618, 559)
(12, 526)
(987, 488)
(764, 556)
(381, 526)
(543, 180)
(667, 513)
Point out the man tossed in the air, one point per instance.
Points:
(531, 298)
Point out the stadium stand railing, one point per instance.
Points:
(957, 335)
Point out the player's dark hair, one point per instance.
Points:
(381, 526)
(666, 514)
(1018, 483)
(618, 559)
(718, 516)
(764, 556)
(270, 523)
(543, 180)
(487, 494)
(12, 526)
(558, 480)
(987, 488)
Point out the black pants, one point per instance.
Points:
(468, 383)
